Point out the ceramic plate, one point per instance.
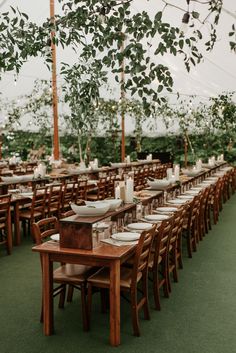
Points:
(166, 209)
(156, 217)
(177, 202)
(55, 237)
(139, 226)
(126, 236)
(192, 192)
(185, 197)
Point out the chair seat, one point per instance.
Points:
(76, 274)
(102, 278)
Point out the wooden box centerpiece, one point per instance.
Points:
(76, 232)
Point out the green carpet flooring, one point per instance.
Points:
(200, 315)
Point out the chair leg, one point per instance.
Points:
(84, 308)
(189, 245)
(24, 227)
(156, 291)
(70, 294)
(166, 276)
(62, 297)
(145, 295)
(134, 309)
(89, 304)
(175, 272)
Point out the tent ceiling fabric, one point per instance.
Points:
(215, 74)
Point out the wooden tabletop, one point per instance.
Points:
(103, 251)
(90, 220)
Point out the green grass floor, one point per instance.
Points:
(199, 317)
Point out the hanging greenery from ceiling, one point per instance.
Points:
(109, 38)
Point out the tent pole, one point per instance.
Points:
(122, 94)
(56, 152)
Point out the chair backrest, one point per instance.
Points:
(5, 213)
(44, 229)
(161, 240)
(54, 199)
(39, 201)
(81, 190)
(141, 258)
(69, 193)
(102, 188)
(178, 221)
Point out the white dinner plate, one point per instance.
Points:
(177, 201)
(139, 226)
(192, 192)
(55, 237)
(126, 236)
(156, 217)
(166, 209)
(185, 197)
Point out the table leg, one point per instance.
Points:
(47, 295)
(115, 303)
(16, 224)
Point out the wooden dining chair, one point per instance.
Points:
(5, 222)
(158, 263)
(68, 195)
(175, 245)
(129, 279)
(216, 201)
(81, 190)
(101, 192)
(35, 210)
(54, 200)
(204, 212)
(73, 276)
(190, 226)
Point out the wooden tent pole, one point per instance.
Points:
(122, 95)
(56, 152)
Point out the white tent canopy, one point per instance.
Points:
(217, 72)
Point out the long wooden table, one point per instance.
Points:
(104, 255)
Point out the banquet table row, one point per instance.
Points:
(105, 254)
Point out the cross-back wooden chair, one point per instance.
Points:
(129, 279)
